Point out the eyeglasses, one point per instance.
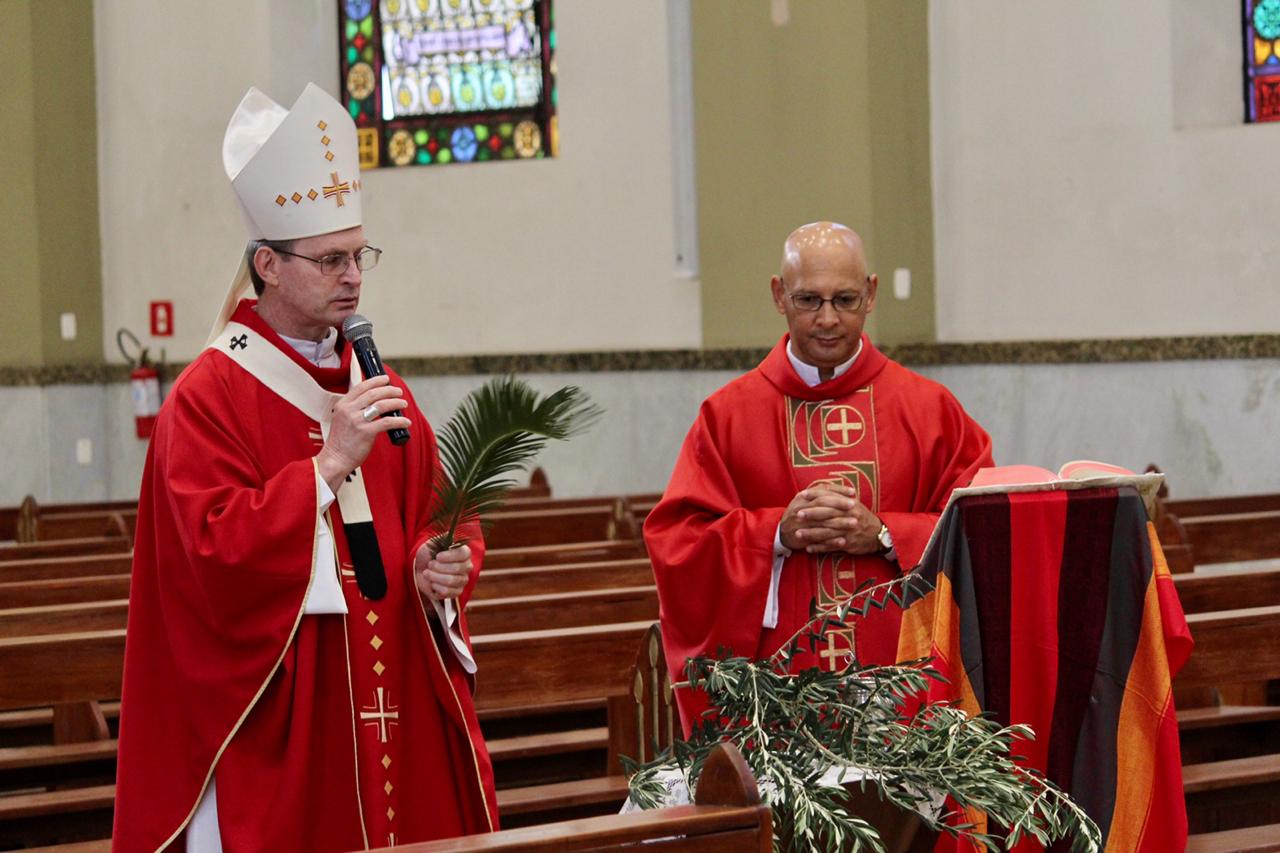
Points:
(337, 263)
(845, 303)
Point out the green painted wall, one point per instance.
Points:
(66, 165)
(825, 117)
(20, 283)
(48, 155)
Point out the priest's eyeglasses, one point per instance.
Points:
(337, 263)
(845, 303)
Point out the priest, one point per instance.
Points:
(297, 669)
(820, 470)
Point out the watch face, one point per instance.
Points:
(883, 537)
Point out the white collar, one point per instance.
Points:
(321, 353)
(809, 374)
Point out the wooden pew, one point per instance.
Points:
(77, 566)
(545, 611)
(525, 527)
(92, 545)
(728, 815)
(63, 591)
(576, 552)
(516, 669)
(1202, 593)
(568, 577)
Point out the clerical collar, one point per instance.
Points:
(809, 374)
(321, 353)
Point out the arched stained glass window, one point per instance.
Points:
(449, 81)
(1262, 60)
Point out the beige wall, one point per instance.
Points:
(19, 237)
(1082, 188)
(804, 121)
(49, 238)
(566, 254)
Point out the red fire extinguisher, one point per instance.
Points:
(144, 386)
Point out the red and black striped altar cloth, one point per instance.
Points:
(1056, 609)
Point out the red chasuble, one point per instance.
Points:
(1056, 609)
(901, 440)
(324, 732)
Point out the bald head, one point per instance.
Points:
(825, 293)
(826, 246)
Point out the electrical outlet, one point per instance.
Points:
(84, 451)
(67, 324)
(902, 283)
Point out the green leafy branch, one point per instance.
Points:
(497, 430)
(793, 728)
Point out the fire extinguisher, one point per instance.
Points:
(144, 385)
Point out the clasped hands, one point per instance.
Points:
(826, 517)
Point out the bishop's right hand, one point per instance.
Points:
(357, 420)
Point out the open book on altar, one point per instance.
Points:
(1078, 474)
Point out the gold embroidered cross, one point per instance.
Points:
(380, 715)
(336, 190)
(830, 653)
(844, 426)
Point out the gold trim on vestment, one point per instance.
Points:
(475, 761)
(302, 606)
(351, 695)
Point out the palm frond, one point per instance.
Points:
(498, 429)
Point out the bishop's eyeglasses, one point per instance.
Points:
(337, 263)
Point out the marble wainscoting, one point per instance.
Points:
(1212, 425)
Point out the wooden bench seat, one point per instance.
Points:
(63, 591)
(76, 566)
(525, 527)
(577, 552)
(65, 548)
(1249, 839)
(1202, 593)
(563, 609)
(1232, 794)
(563, 578)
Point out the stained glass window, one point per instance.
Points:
(449, 81)
(1262, 60)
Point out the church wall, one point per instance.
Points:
(824, 115)
(20, 286)
(1208, 424)
(1083, 184)
(576, 252)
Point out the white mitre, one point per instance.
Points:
(296, 173)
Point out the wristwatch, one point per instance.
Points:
(884, 538)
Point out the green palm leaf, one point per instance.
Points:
(498, 429)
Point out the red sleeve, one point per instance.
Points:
(952, 447)
(711, 557)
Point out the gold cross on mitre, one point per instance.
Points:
(336, 189)
(381, 715)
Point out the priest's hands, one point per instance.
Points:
(351, 435)
(444, 575)
(826, 517)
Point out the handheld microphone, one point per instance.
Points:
(359, 333)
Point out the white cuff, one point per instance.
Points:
(780, 554)
(325, 594)
(447, 613)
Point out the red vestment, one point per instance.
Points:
(328, 732)
(903, 441)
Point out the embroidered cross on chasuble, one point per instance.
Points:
(834, 441)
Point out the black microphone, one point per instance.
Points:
(359, 333)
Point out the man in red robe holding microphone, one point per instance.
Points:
(297, 670)
(823, 468)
